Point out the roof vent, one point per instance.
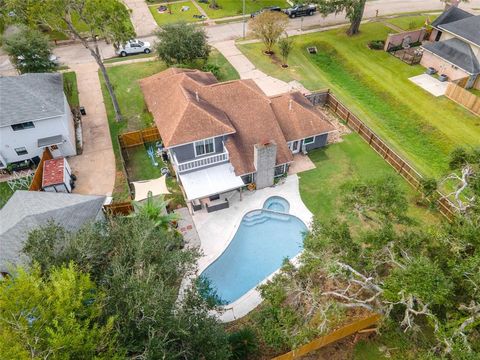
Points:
(196, 96)
(290, 104)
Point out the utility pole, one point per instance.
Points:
(244, 20)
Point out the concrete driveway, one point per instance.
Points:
(271, 86)
(142, 18)
(95, 167)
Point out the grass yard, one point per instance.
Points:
(235, 7)
(375, 86)
(136, 116)
(70, 88)
(176, 15)
(351, 159)
(5, 193)
(410, 22)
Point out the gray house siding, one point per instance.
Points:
(186, 152)
(320, 141)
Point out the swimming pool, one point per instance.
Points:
(264, 238)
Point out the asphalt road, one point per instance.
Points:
(77, 54)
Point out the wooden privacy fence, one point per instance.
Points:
(336, 335)
(123, 208)
(390, 156)
(464, 98)
(36, 184)
(136, 138)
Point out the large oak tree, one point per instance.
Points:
(353, 9)
(108, 19)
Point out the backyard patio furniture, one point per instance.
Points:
(216, 205)
(442, 77)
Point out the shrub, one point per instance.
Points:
(376, 44)
(243, 344)
(213, 68)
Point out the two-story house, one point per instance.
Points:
(34, 114)
(454, 46)
(221, 136)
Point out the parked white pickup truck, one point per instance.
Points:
(134, 46)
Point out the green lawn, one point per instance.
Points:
(410, 22)
(70, 88)
(375, 86)
(351, 159)
(136, 116)
(176, 15)
(6, 193)
(235, 7)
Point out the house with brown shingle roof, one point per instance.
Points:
(221, 136)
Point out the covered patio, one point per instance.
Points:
(209, 184)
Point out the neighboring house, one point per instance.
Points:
(27, 210)
(454, 47)
(34, 114)
(221, 136)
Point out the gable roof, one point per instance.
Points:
(456, 52)
(453, 13)
(468, 29)
(171, 96)
(27, 210)
(30, 97)
(190, 105)
(250, 112)
(298, 118)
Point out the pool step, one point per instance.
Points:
(259, 217)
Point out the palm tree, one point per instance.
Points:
(155, 209)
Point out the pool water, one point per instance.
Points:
(263, 239)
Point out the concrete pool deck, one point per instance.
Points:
(217, 229)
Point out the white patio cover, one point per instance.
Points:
(210, 181)
(156, 186)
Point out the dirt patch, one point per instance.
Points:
(342, 129)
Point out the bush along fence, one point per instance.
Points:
(463, 97)
(335, 335)
(414, 178)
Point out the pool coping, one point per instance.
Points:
(252, 298)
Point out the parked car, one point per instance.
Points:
(52, 58)
(301, 10)
(269, 8)
(134, 46)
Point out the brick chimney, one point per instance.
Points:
(264, 160)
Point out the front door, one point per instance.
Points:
(295, 146)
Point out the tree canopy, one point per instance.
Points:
(182, 43)
(353, 8)
(108, 19)
(29, 51)
(140, 267)
(268, 27)
(57, 316)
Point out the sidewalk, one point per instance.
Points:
(142, 18)
(95, 167)
(270, 85)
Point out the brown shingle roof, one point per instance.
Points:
(249, 111)
(298, 118)
(190, 105)
(171, 97)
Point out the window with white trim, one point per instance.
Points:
(204, 147)
(309, 140)
(21, 151)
